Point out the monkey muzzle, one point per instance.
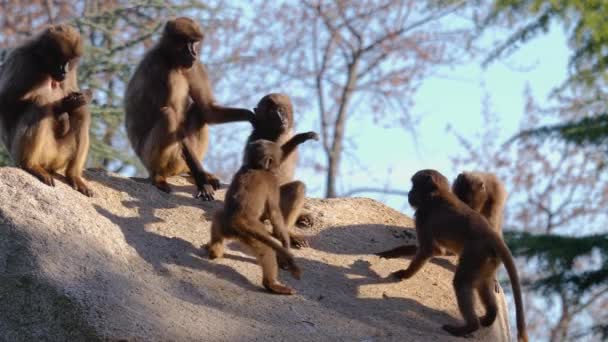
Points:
(59, 73)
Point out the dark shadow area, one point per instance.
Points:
(160, 250)
(370, 239)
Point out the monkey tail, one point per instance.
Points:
(507, 258)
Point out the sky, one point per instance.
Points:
(452, 97)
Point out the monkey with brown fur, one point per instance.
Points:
(274, 121)
(44, 119)
(483, 192)
(442, 220)
(169, 103)
(254, 192)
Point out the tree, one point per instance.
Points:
(355, 58)
(555, 168)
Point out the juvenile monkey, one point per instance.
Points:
(483, 192)
(168, 105)
(442, 220)
(44, 120)
(254, 192)
(274, 121)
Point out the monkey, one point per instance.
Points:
(254, 192)
(484, 193)
(44, 117)
(274, 121)
(442, 220)
(169, 104)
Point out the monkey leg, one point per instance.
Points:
(216, 245)
(467, 271)
(292, 201)
(486, 294)
(194, 145)
(160, 150)
(305, 220)
(267, 259)
(33, 145)
(80, 120)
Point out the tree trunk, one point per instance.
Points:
(335, 153)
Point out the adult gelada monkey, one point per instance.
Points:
(44, 120)
(274, 121)
(254, 192)
(442, 220)
(168, 104)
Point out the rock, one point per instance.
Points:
(128, 264)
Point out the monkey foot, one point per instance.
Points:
(42, 175)
(461, 331)
(305, 221)
(214, 252)
(397, 252)
(212, 180)
(79, 185)
(277, 288)
(205, 193)
(400, 275)
(298, 241)
(161, 184)
(488, 319)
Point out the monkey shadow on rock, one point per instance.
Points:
(371, 239)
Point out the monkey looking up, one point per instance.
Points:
(254, 192)
(44, 119)
(274, 121)
(168, 104)
(442, 220)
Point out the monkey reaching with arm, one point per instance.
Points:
(254, 192)
(274, 121)
(442, 220)
(168, 106)
(44, 119)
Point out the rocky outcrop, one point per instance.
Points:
(128, 265)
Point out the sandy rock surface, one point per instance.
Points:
(128, 265)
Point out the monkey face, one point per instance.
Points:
(471, 190)
(183, 37)
(425, 187)
(274, 113)
(263, 155)
(59, 71)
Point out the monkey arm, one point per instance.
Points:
(276, 219)
(202, 95)
(290, 145)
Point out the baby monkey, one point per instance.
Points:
(253, 193)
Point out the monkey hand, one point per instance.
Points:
(400, 275)
(252, 118)
(312, 136)
(71, 102)
(206, 192)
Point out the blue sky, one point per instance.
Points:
(453, 97)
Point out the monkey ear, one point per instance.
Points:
(267, 162)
